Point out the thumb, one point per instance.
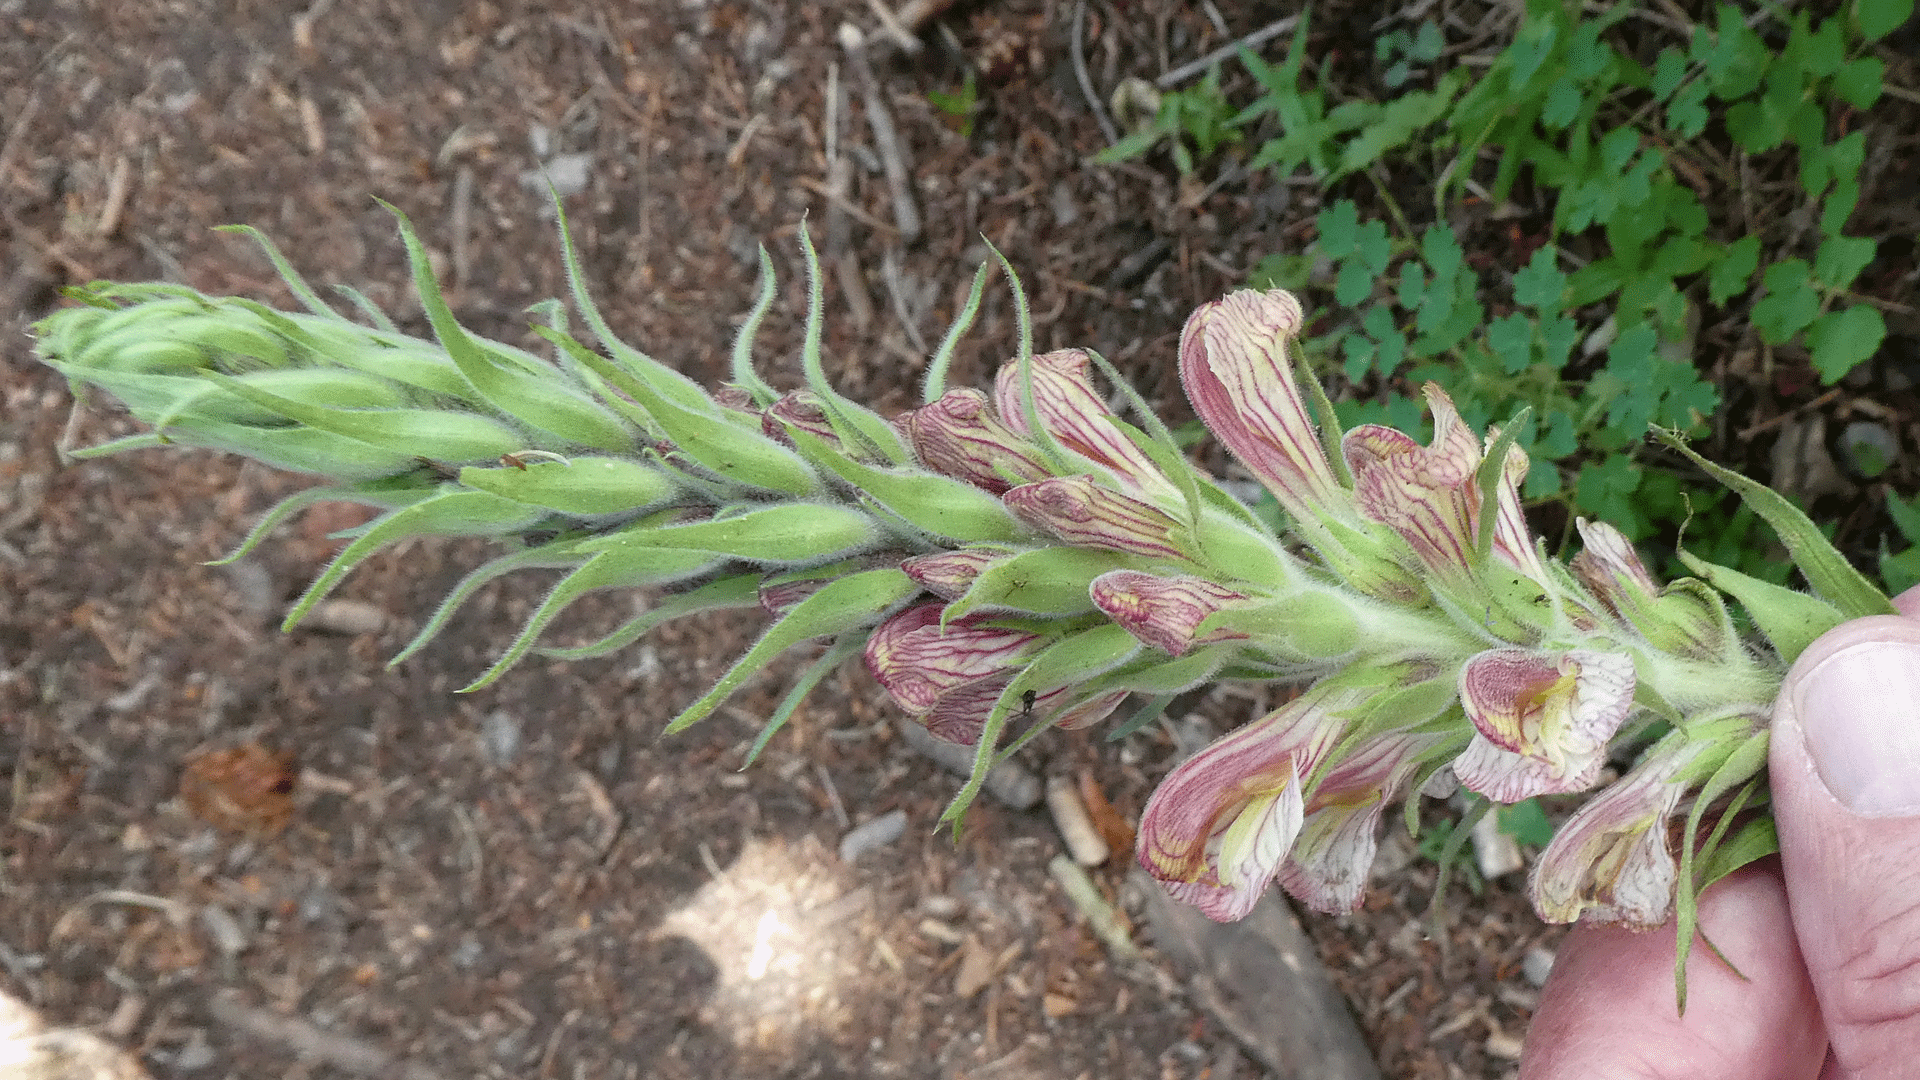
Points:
(1845, 771)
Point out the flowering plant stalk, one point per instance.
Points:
(1025, 559)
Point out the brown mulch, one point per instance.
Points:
(239, 853)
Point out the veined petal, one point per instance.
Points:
(800, 409)
(1217, 828)
(1542, 719)
(1066, 405)
(918, 661)
(1080, 511)
(948, 574)
(1328, 867)
(958, 435)
(1427, 493)
(1164, 612)
(1687, 618)
(1234, 367)
(1610, 862)
(1512, 540)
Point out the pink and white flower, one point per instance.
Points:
(1218, 827)
(1164, 612)
(1541, 719)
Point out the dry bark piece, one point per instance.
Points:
(245, 789)
(1263, 981)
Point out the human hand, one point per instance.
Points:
(1827, 935)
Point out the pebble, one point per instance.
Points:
(349, 617)
(869, 835)
(1868, 449)
(224, 929)
(196, 1054)
(500, 736)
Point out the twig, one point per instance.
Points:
(906, 215)
(343, 1052)
(837, 200)
(890, 22)
(891, 272)
(1252, 41)
(1773, 422)
(1077, 48)
(462, 224)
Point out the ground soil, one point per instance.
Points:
(527, 881)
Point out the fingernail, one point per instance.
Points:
(1859, 711)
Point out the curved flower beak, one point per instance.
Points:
(1164, 612)
(1328, 867)
(1687, 617)
(958, 435)
(1078, 510)
(1233, 364)
(919, 662)
(1068, 407)
(1610, 861)
(1217, 828)
(1542, 719)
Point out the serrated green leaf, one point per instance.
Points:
(1354, 284)
(1668, 71)
(1339, 225)
(1878, 18)
(1511, 339)
(1562, 105)
(1734, 269)
(1790, 304)
(1840, 341)
(1841, 258)
(1541, 283)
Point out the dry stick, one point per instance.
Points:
(840, 251)
(906, 215)
(343, 1052)
(462, 225)
(1252, 41)
(1078, 50)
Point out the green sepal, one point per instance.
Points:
(854, 423)
(936, 381)
(296, 284)
(556, 555)
(736, 591)
(1717, 858)
(437, 435)
(1155, 673)
(1154, 708)
(1493, 465)
(661, 380)
(836, 654)
(708, 436)
(850, 603)
(937, 505)
(744, 375)
(1790, 619)
(581, 485)
(539, 400)
(371, 493)
(400, 357)
(1828, 571)
(1070, 660)
(1239, 551)
(1303, 626)
(605, 570)
(1041, 581)
(450, 513)
(776, 534)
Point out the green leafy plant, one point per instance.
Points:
(960, 105)
(1595, 334)
(1195, 124)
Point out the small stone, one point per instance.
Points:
(196, 1054)
(349, 617)
(1537, 965)
(1496, 853)
(1868, 449)
(1058, 1005)
(877, 833)
(224, 929)
(568, 173)
(500, 736)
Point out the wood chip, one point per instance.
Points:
(1077, 829)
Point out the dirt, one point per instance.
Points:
(240, 853)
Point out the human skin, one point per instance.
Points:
(1826, 937)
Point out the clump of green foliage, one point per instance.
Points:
(1593, 328)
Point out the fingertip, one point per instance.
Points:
(1609, 1008)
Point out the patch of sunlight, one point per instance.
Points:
(783, 928)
